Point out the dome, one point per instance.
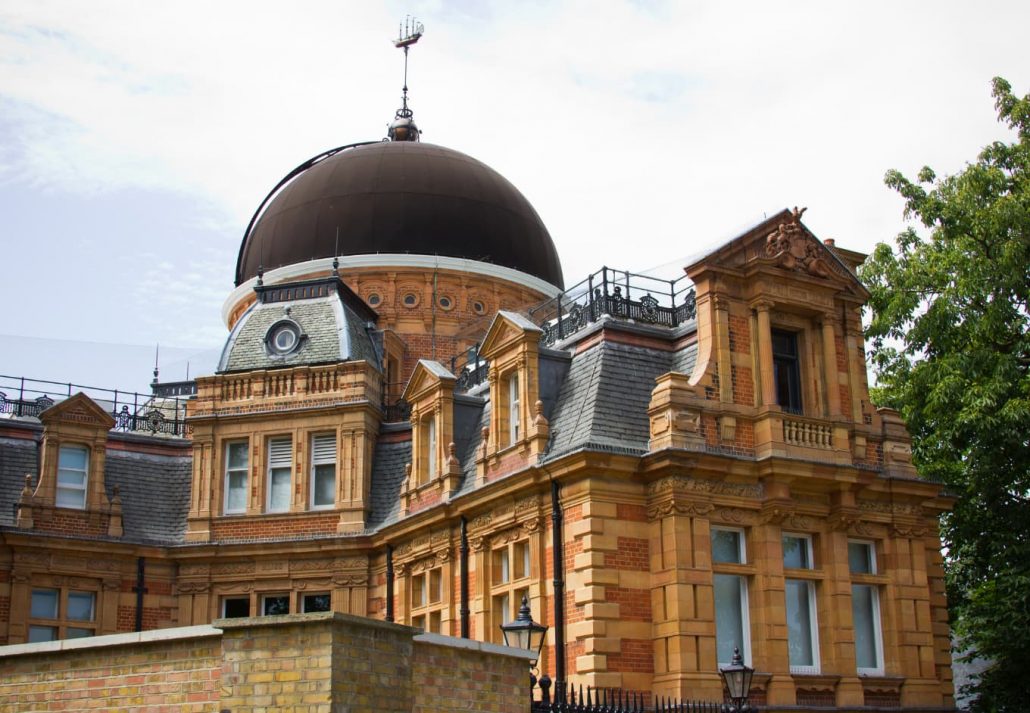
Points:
(399, 197)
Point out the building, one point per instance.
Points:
(413, 419)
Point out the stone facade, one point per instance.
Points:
(722, 480)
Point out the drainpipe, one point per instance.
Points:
(389, 582)
(140, 590)
(557, 558)
(464, 564)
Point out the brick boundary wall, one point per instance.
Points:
(307, 663)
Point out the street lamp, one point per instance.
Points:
(526, 634)
(737, 678)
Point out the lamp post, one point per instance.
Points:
(526, 634)
(737, 678)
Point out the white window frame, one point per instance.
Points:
(879, 669)
(304, 600)
(742, 579)
(273, 466)
(274, 595)
(813, 612)
(75, 490)
(514, 410)
(431, 464)
(317, 460)
(228, 471)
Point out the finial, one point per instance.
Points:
(157, 354)
(336, 254)
(261, 275)
(403, 127)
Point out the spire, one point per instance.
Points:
(403, 127)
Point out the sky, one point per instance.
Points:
(137, 138)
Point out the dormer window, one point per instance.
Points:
(72, 477)
(514, 413)
(280, 466)
(786, 370)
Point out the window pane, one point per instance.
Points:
(70, 498)
(236, 500)
(799, 623)
(325, 485)
(238, 455)
(73, 632)
(73, 457)
(71, 478)
(274, 605)
(860, 557)
(317, 602)
(80, 606)
(44, 604)
(42, 633)
(795, 552)
(863, 609)
(502, 563)
(726, 547)
(279, 490)
(236, 607)
(729, 618)
(504, 604)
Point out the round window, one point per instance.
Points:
(283, 338)
(446, 303)
(478, 307)
(410, 299)
(373, 299)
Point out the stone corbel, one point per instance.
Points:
(539, 430)
(24, 519)
(675, 414)
(451, 474)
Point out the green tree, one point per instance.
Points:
(951, 351)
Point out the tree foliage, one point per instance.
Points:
(951, 349)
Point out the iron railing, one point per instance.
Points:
(469, 368)
(613, 700)
(619, 294)
(132, 412)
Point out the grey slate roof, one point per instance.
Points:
(155, 490)
(684, 360)
(334, 333)
(603, 402)
(387, 477)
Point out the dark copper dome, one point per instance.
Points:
(399, 197)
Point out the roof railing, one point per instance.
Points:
(619, 294)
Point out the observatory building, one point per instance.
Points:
(416, 418)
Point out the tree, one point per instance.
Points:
(951, 350)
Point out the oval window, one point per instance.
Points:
(478, 307)
(410, 299)
(283, 338)
(446, 303)
(373, 299)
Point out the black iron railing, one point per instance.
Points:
(132, 412)
(469, 368)
(619, 294)
(613, 700)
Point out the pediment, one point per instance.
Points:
(426, 375)
(506, 329)
(785, 244)
(79, 409)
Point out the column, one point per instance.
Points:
(830, 367)
(765, 357)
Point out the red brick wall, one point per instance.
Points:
(635, 656)
(740, 334)
(633, 554)
(743, 385)
(271, 526)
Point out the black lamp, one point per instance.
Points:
(737, 678)
(524, 633)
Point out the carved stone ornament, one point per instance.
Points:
(863, 529)
(481, 521)
(193, 587)
(478, 544)
(737, 516)
(776, 513)
(794, 250)
(910, 530)
(531, 525)
(350, 580)
(842, 521)
(233, 568)
(671, 507)
(700, 485)
(529, 503)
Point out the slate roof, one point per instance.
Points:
(387, 477)
(155, 490)
(334, 333)
(603, 402)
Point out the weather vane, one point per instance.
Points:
(403, 126)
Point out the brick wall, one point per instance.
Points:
(307, 663)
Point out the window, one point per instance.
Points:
(514, 414)
(786, 370)
(275, 604)
(72, 472)
(323, 471)
(316, 602)
(509, 581)
(61, 614)
(865, 609)
(427, 600)
(236, 607)
(280, 461)
(236, 477)
(802, 628)
(431, 447)
(732, 623)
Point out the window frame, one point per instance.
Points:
(514, 408)
(742, 570)
(266, 596)
(792, 362)
(428, 613)
(61, 623)
(871, 580)
(812, 593)
(315, 462)
(303, 604)
(509, 588)
(270, 470)
(229, 471)
(235, 597)
(75, 489)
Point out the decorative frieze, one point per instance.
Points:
(701, 485)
